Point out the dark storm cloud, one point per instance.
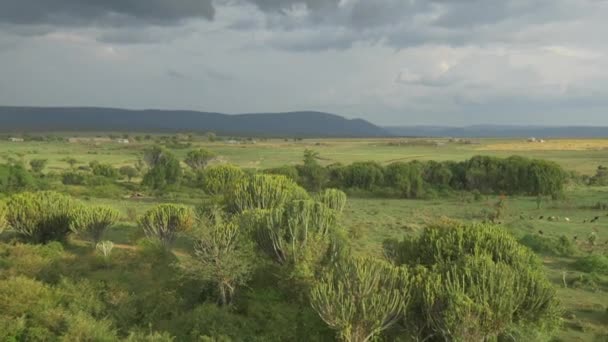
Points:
(102, 12)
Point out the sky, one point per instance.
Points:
(392, 62)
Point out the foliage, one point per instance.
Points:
(129, 172)
(14, 178)
(105, 248)
(41, 217)
(3, 222)
(199, 159)
(218, 179)
(222, 255)
(601, 176)
(561, 246)
(311, 175)
(104, 170)
(164, 168)
(360, 298)
(165, 221)
(288, 171)
(595, 263)
(38, 165)
(73, 178)
(262, 191)
(474, 282)
(407, 177)
(297, 235)
(333, 199)
(94, 221)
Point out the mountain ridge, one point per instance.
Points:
(295, 123)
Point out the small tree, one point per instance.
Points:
(38, 165)
(360, 298)
(199, 159)
(71, 161)
(129, 172)
(94, 221)
(222, 255)
(42, 216)
(165, 221)
(164, 168)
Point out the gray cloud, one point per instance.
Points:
(102, 12)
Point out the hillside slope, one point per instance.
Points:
(304, 124)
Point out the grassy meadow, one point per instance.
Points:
(372, 220)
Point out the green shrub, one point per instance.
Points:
(3, 222)
(41, 217)
(561, 246)
(360, 298)
(198, 159)
(218, 179)
(262, 192)
(333, 199)
(73, 178)
(474, 282)
(165, 221)
(15, 178)
(595, 263)
(94, 221)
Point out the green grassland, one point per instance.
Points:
(372, 220)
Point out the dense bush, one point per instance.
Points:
(262, 191)
(15, 178)
(417, 179)
(333, 199)
(360, 298)
(165, 221)
(93, 221)
(473, 282)
(104, 170)
(198, 159)
(288, 171)
(218, 179)
(73, 178)
(595, 263)
(561, 246)
(41, 216)
(164, 168)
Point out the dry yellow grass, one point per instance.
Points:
(548, 145)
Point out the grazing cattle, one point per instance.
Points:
(585, 221)
(567, 219)
(540, 232)
(595, 219)
(542, 217)
(575, 237)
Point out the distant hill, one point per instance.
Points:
(498, 131)
(300, 124)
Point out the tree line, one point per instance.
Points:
(416, 179)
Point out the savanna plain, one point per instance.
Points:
(185, 237)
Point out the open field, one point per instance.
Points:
(582, 155)
(370, 221)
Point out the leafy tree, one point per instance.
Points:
(165, 221)
(94, 221)
(71, 161)
(218, 179)
(41, 217)
(38, 165)
(164, 168)
(363, 175)
(360, 298)
(222, 255)
(262, 192)
(312, 175)
(199, 159)
(128, 171)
